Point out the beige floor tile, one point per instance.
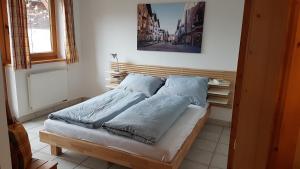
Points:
(43, 156)
(187, 164)
(30, 125)
(94, 163)
(213, 128)
(35, 122)
(64, 164)
(225, 139)
(227, 131)
(219, 161)
(73, 157)
(209, 136)
(81, 167)
(206, 145)
(48, 151)
(213, 168)
(200, 156)
(35, 130)
(222, 149)
(36, 145)
(32, 135)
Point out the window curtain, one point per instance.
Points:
(71, 50)
(19, 34)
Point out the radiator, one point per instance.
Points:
(47, 88)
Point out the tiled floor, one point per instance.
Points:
(209, 152)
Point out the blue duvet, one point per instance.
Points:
(148, 120)
(94, 112)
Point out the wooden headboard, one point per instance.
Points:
(219, 94)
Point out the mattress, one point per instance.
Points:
(164, 150)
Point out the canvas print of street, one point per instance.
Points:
(171, 27)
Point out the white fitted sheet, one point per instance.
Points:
(164, 150)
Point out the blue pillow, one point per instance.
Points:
(141, 83)
(195, 88)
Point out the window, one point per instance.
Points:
(41, 29)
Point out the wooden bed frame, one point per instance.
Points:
(123, 158)
(117, 156)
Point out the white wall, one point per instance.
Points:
(5, 161)
(109, 26)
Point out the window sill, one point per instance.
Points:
(48, 61)
(40, 62)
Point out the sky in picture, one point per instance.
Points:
(168, 15)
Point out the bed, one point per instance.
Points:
(100, 144)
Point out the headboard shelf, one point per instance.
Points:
(219, 91)
(221, 84)
(218, 101)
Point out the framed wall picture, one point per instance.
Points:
(170, 27)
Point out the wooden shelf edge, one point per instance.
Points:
(219, 92)
(229, 106)
(222, 101)
(220, 84)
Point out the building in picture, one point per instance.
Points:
(190, 27)
(149, 31)
(173, 27)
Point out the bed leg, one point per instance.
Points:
(56, 151)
